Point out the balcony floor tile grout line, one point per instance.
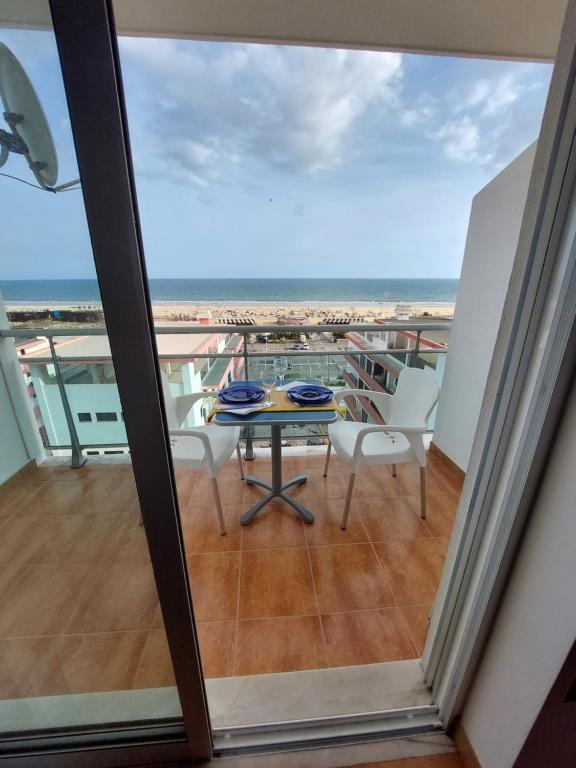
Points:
(317, 601)
(238, 599)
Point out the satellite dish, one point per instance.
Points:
(29, 133)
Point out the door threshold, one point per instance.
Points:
(281, 697)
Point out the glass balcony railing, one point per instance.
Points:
(77, 406)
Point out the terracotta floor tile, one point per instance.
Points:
(391, 517)
(100, 662)
(74, 564)
(184, 484)
(326, 527)
(10, 573)
(15, 495)
(451, 475)
(418, 620)
(448, 760)
(349, 577)
(233, 490)
(279, 645)
(277, 525)
(43, 600)
(276, 582)
(443, 544)
(120, 595)
(158, 620)
(214, 584)
(48, 666)
(21, 538)
(408, 478)
(26, 663)
(316, 462)
(319, 487)
(113, 495)
(441, 513)
(375, 482)
(217, 647)
(238, 492)
(262, 467)
(76, 538)
(129, 542)
(201, 530)
(413, 568)
(60, 497)
(366, 637)
(154, 668)
(61, 471)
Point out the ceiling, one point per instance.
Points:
(508, 29)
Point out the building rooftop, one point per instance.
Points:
(98, 346)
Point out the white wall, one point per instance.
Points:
(536, 624)
(91, 398)
(19, 437)
(490, 249)
(13, 453)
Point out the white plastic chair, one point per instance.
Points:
(202, 448)
(399, 441)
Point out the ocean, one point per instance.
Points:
(263, 291)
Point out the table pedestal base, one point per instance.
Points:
(277, 488)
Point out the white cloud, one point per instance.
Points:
(504, 93)
(491, 97)
(482, 123)
(289, 106)
(416, 115)
(460, 139)
(477, 95)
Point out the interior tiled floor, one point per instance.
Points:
(78, 605)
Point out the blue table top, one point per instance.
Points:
(303, 416)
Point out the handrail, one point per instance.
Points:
(94, 359)
(392, 325)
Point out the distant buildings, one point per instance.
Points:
(380, 371)
(88, 373)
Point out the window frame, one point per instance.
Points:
(111, 416)
(94, 91)
(531, 374)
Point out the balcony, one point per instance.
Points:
(76, 581)
(312, 599)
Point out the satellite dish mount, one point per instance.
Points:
(29, 133)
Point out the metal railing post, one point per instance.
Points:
(78, 459)
(414, 356)
(249, 452)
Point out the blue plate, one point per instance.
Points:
(310, 394)
(242, 394)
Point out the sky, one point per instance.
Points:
(280, 161)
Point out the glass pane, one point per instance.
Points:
(313, 205)
(81, 632)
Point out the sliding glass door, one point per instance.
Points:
(96, 625)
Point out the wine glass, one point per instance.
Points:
(268, 379)
(280, 367)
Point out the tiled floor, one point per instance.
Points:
(78, 605)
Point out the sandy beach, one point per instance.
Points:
(311, 314)
(214, 313)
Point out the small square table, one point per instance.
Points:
(276, 420)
